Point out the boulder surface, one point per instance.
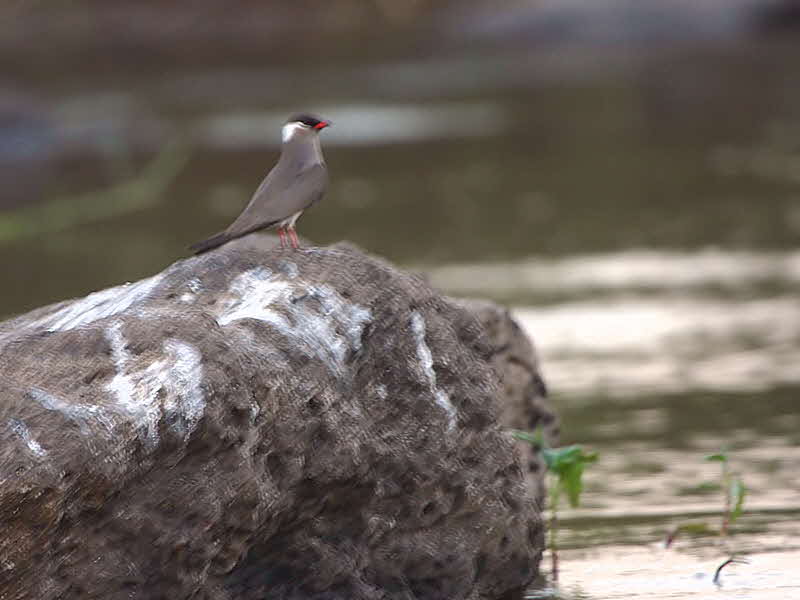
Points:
(259, 423)
(523, 393)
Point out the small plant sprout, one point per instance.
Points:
(733, 489)
(734, 492)
(566, 466)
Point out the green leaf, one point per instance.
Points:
(718, 457)
(568, 464)
(738, 491)
(556, 458)
(534, 438)
(572, 482)
(549, 456)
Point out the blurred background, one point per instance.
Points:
(624, 173)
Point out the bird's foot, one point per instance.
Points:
(293, 238)
(282, 235)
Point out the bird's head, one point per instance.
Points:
(303, 124)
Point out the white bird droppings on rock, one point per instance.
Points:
(82, 414)
(252, 293)
(183, 379)
(105, 303)
(426, 362)
(21, 430)
(177, 376)
(325, 325)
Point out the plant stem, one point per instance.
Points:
(553, 545)
(726, 489)
(555, 497)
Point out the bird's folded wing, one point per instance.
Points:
(280, 196)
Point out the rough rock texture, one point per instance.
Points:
(255, 424)
(523, 392)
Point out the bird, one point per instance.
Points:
(297, 181)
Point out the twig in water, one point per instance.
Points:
(731, 561)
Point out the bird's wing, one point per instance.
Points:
(280, 196)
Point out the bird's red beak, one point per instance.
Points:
(322, 125)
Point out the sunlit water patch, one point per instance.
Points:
(631, 346)
(633, 269)
(652, 322)
(652, 572)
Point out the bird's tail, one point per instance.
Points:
(215, 241)
(223, 237)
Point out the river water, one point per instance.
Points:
(640, 212)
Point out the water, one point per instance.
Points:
(640, 212)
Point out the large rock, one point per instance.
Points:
(257, 424)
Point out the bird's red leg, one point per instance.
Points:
(282, 235)
(293, 236)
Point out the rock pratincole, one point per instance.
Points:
(295, 183)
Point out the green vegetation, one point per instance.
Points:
(565, 466)
(733, 489)
(734, 492)
(129, 196)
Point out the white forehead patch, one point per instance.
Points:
(290, 129)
